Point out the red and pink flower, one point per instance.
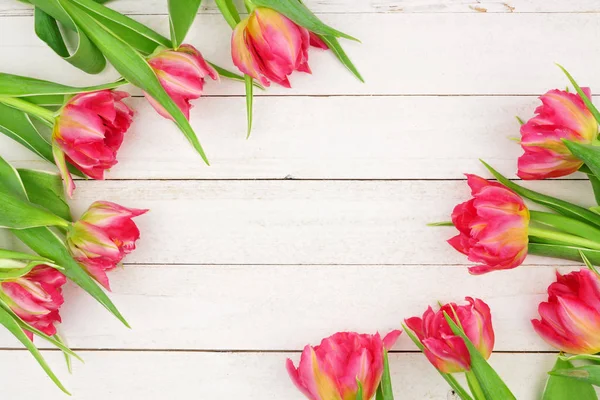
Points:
(570, 319)
(268, 46)
(447, 351)
(88, 133)
(493, 226)
(331, 370)
(181, 73)
(562, 115)
(102, 237)
(36, 298)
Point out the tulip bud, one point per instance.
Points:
(570, 319)
(181, 73)
(102, 237)
(332, 369)
(562, 115)
(36, 297)
(88, 133)
(493, 226)
(268, 46)
(447, 351)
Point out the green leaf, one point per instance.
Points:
(564, 252)
(249, 102)
(229, 12)
(491, 384)
(127, 29)
(181, 16)
(85, 56)
(15, 255)
(46, 189)
(24, 325)
(44, 242)
(18, 126)
(558, 205)
(335, 46)
(457, 387)
(10, 182)
(302, 16)
(587, 373)
(13, 327)
(589, 154)
(586, 100)
(19, 86)
(566, 224)
(560, 388)
(18, 214)
(133, 67)
(384, 391)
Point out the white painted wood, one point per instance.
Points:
(168, 375)
(320, 138)
(11, 7)
(283, 307)
(297, 222)
(400, 54)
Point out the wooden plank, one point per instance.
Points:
(283, 307)
(297, 222)
(466, 54)
(251, 376)
(320, 138)
(11, 7)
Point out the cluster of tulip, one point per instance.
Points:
(497, 230)
(81, 129)
(455, 339)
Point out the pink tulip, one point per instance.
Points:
(330, 371)
(36, 298)
(181, 73)
(102, 237)
(570, 319)
(88, 133)
(268, 46)
(562, 115)
(493, 227)
(447, 351)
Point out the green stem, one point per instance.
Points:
(227, 13)
(564, 238)
(42, 113)
(474, 385)
(566, 224)
(250, 6)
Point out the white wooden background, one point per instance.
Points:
(317, 223)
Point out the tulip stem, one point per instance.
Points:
(474, 385)
(566, 224)
(42, 113)
(563, 238)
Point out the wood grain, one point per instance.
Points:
(400, 54)
(11, 7)
(279, 307)
(320, 138)
(125, 375)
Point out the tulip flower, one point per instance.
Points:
(268, 46)
(562, 115)
(331, 370)
(447, 351)
(102, 237)
(570, 319)
(493, 226)
(36, 297)
(88, 133)
(181, 73)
